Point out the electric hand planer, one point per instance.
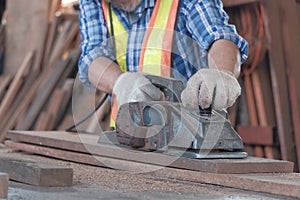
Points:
(169, 127)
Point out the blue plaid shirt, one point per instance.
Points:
(199, 24)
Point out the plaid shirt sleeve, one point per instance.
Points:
(94, 36)
(208, 22)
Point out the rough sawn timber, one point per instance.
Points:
(35, 173)
(285, 184)
(87, 143)
(3, 185)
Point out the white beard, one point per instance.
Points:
(127, 8)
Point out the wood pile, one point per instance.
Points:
(41, 54)
(267, 114)
(253, 174)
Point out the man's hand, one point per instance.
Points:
(135, 87)
(210, 87)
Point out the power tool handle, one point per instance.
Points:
(170, 86)
(172, 89)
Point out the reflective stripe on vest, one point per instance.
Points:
(155, 56)
(120, 36)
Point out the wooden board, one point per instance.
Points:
(4, 83)
(287, 184)
(16, 84)
(44, 91)
(3, 185)
(279, 81)
(85, 143)
(278, 184)
(26, 31)
(256, 135)
(230, 3)
(291, 30)
(34, 173)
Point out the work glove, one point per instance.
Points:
(211, 88)
(135, 87)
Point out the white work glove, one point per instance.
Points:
(210, 87)
(135, 87)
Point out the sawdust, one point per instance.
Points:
(86, 176)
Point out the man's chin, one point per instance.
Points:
(128, 8)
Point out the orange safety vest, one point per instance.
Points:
(156, 50)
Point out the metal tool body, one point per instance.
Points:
(169, 127)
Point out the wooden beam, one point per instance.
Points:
(280, 81)
(290, 12)
(44, 91)
(278, 184)
(4, 83)
(16, 84)
(20, 105)
(85, 143)
(31, 172)
(231, 3)
(287, 184)
(256, 135)
(3, 186)
(53, 108)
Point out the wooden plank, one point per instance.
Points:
(4, 83)
(43, 94)
(266, 108)
(3, 185)
(82, 158)
(55, 6)
(86, 143)
(250, 100)
(68, 90)
(16, 84)
(291, 31)
(14, 101)
(258, 151)
(26, 31)
(100, 121)
(231, 3)
(279, 81)
(47, 119)
(20, 105)
(287, 184)
(63, 42)
(66, 122)
(261, 111)
(54, 107)
(256, 135)
(296, 116)
(31, 172)
(44, 121)
(278, 184)
(56, 77)
(70, 16)
(50, 38)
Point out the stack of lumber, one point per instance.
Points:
(267, 113)
(254, 174)
(40, 56)
(42, 50)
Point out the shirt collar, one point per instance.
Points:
(144, 5)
